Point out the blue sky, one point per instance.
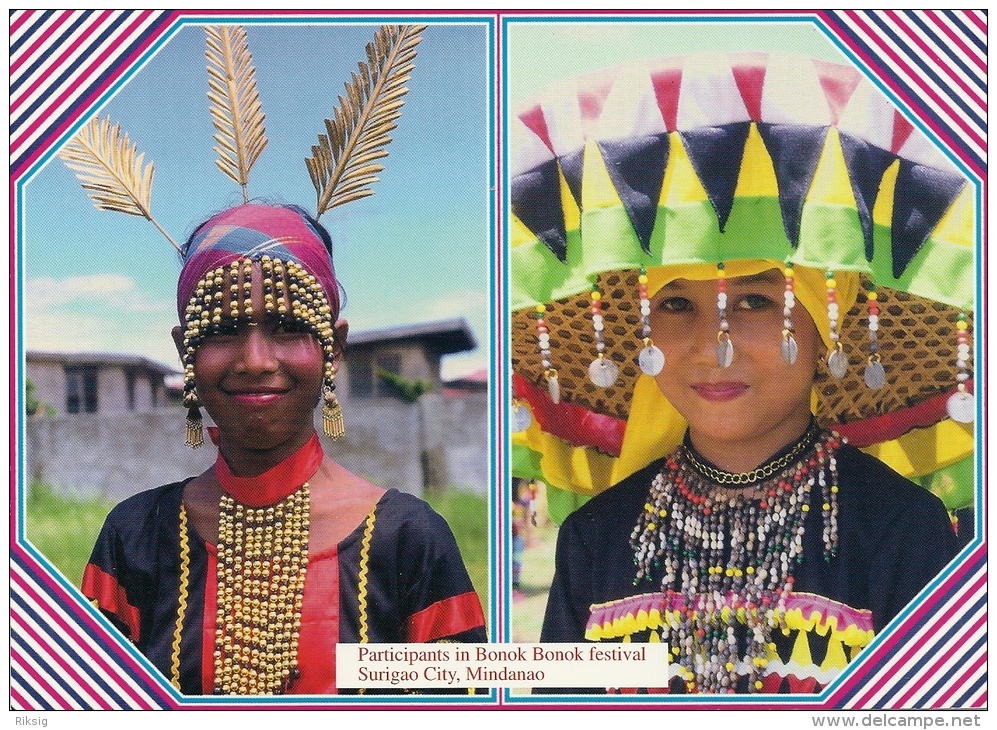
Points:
(418, 250)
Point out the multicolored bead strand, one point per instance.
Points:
(651, 359)
(543, 344)
(789, 349)
(837, 361)
(874, 375)
(961, 405)
(688, 526)
(725, 348)
(602, 371)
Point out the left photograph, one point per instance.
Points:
(255, 419)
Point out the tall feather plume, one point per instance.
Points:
(344, 163)
(112, 171)
(240, 135)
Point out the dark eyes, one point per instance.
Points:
(747, 302)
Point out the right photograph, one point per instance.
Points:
(743, 280)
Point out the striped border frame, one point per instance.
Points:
(62, 657)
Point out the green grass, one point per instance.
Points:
(467, 515)
(63, 528)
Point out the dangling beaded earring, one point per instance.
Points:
(543, 344)
(725, 348)
(602, 371)
(874, 375)
(961, 406)
(332, 413)
(651, 359)
(195, 430)
(837, 361)
(789, 348)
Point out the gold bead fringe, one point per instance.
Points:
(262, 559)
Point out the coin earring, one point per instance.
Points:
(837, 361)
(651, 359)
(725, 348)
(602, 371)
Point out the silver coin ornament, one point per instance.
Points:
(790, 350)
(874, 375)
(554, 388)
(520, 418)
(961, 408)
(603, 372)
(837, 364)
(651, 360)
(725, 352)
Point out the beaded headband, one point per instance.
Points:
(296, 266)
(710, 160)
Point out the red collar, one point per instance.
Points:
(274, 485)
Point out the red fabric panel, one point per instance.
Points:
(110, 596)
(445, 618)
(568, 422)
(317, 637)
(667, 83)
(893, 425)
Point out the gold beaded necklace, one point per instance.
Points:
(262, 560)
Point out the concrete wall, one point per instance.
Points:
(117, 455)
(112, 387)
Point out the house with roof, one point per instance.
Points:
(98, 382)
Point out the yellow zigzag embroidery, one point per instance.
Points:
(368, 532)
(182, 608)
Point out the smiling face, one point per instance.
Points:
(260, 378)
(740, 415)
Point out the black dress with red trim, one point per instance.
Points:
(398, 577)
(893, 539)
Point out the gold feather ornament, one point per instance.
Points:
(112, 171)
(344, 163)
(234, 103)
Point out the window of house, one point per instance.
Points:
(364, 382)
(130, 385)
(81, 389)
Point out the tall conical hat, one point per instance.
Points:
(725, 158)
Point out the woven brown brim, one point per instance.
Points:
(916, 339)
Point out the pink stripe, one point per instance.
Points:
(908, 627)
(964, 679)
(38, 679)
(21, 18)
(22, 140)
(47, 33)
(19, 702)
(86, 32)
(981, 701)
(916, 643)
(71, 631)
(929, 52)
(911, 77)
(942, 25)
(977, 20)
(82, 683)
(935, 666)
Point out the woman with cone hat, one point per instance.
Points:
(717, 286)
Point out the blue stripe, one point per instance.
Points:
(943, 681)
(26, 34)
(935, 642)
(964, 698)
(84, 662)
(26, 686)
(842, 27)
(42, 140)
(920, 61)
(946, 47)
(956, 19)
(82, 58)
(43, 59)
(53, 672)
